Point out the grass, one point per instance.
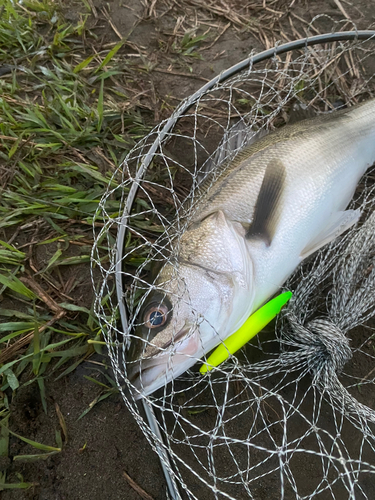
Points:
(63, 132)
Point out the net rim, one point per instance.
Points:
(179, 112)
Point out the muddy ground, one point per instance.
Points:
(107, 442)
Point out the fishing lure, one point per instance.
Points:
(252, 326)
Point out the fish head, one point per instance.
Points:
(176, 323)
(196, 301)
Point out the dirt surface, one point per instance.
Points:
(107, 441)
(101, 446)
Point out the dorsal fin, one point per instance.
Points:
(266, 211)
(234, 140)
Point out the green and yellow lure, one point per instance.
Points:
(253, 325)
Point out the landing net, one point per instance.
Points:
(293, 414)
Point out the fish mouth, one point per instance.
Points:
(152, 371)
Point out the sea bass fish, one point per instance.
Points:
(278, 201)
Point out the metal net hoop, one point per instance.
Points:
(285, 397)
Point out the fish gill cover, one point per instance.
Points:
(296, 404)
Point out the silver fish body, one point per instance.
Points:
(281, 199)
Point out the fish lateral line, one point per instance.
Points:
(252, 326)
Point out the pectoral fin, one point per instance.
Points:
(267, 208)
(338, 224)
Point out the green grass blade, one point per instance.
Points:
(82, 65)
(32, 458)
(12, 379)
(16, 285)
(99, 398)
(100, 106)
(16, 486)
(4, 438)
(34, 444)
(11, 248)
(28, 356)
(96, 381)
(110, 54)
(42, 391)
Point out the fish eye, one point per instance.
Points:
(156, 316)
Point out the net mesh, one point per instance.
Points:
(292, 414)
